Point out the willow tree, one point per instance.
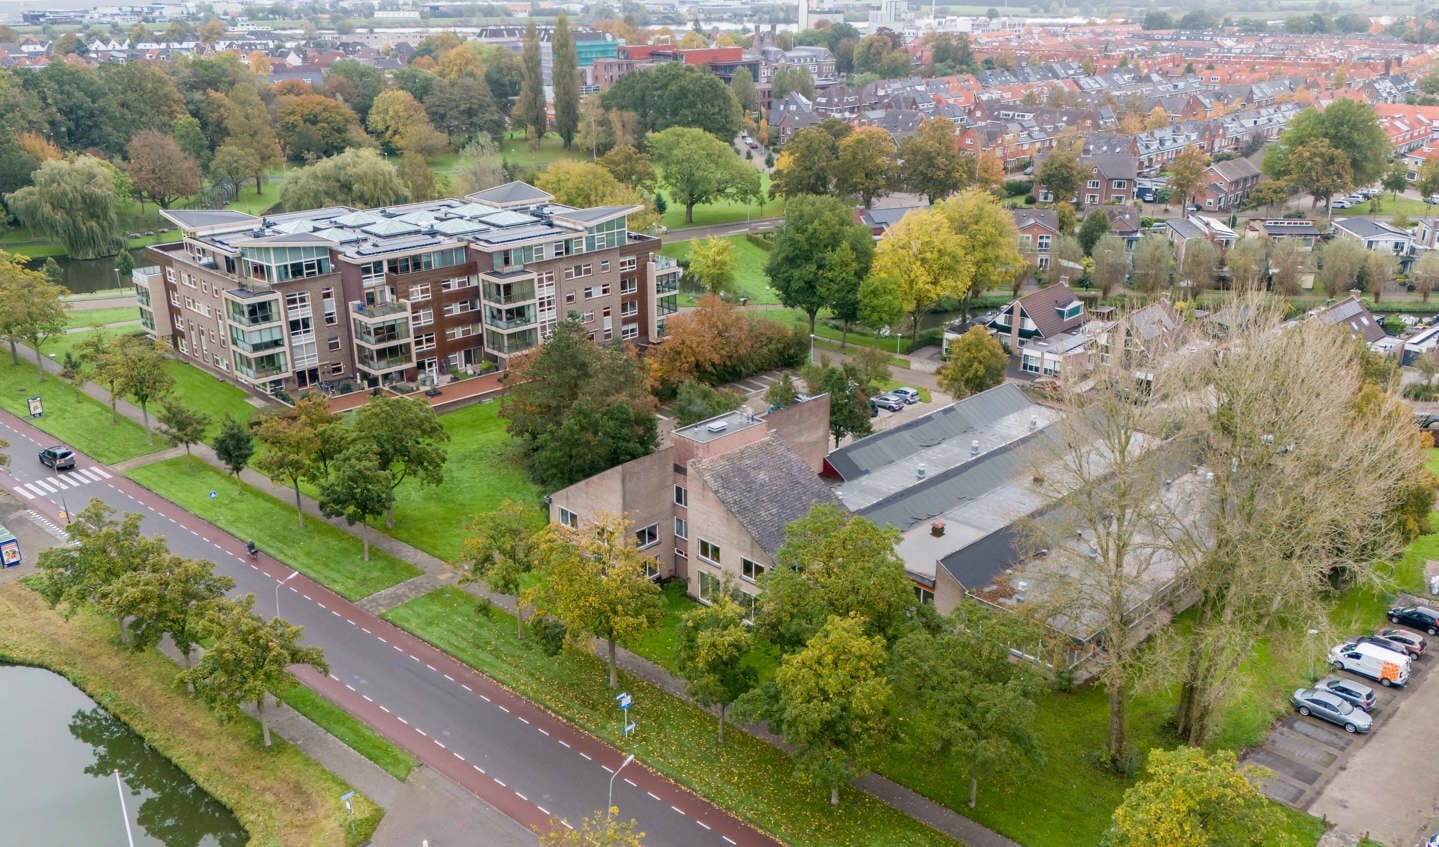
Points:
(73, 201)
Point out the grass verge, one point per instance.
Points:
(320, 551)
(77, 318)
(723, 211)
(745, 775)
(208, 393)
(70, 415)
(279, 795)
(356, 735)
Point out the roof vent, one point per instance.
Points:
(936, 528)
(1034, 422)
(974, 447)
(919, 471)
(718, 426)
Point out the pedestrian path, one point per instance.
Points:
(62, 481)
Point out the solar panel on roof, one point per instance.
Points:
(388, 228)
(292, 227)
(340, 236)
(506, 218)
(357, 219)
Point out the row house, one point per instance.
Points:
(1181, 232)
(296, 300)
(1104, 179)
(1227, 184)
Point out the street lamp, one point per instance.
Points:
(292, 575)
(1313, 653)
(610, 804)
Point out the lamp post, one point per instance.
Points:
(292, 575)
(610, 803)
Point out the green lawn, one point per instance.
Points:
(744, 775)
(750, 259)
(76, 318)
(1388, 208)
(478, 477)
(321, 551)
(515, 149)
(658, 644)
(724, 211)
(207, 393)
(248, 201)
(71, 416)
(102, 294)
(354, 733)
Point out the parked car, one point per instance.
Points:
(1332, 708)
(1384, 666)
(57, 457)
(1388, 644)
(889, 401)
(908, 395)
(1339, 204)
(1357, 693)
(1417, 617)
(1413, 640)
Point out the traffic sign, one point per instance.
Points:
(624, 699)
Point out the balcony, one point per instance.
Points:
(510, 293)
(379, 311)
(260, 367)
(509, 319)
(663, 262)
(393, 358)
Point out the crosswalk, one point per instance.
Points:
(55, 484)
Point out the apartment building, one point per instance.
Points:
(377, 296)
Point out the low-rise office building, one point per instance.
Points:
(372, 297)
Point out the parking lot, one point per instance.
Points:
(1385, 784)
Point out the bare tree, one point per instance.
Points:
(1306, 469)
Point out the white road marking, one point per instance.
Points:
(503, 709)
(431, 667)
(85, 475)
(383, 709)
(447, 676)
(498, 782)
(563, 743)
(678, 809)
(43, 487)
(542, 809)
(456, 755)
(542, 730)
(702, 823)
(653, 796)
(402, 720)
(467, 688)
(478, 768)
(102, 474)
(522, 797)
(523, 721)
(22, 492)
(728, 839)
(586, 757)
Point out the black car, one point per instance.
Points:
(1417, 617)
(1356, 693)
(57, 457)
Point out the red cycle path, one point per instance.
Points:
(431, 752)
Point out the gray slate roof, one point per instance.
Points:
(511, 193)
(196, 218)
(766, 486)
(957, 421)
(1351, 314)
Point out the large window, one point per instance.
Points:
(647, 536)
(709, 551)
(710, 587)
(568, 518)
(681, 496)
(682, 528)
(751, 571)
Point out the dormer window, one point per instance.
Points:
(1070, 310)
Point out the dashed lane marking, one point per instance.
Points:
(630, 783)
(542, 809)
(728, 839)
(467, 688)
(653, 796)
(457, 755)
(542, 730)
(522, 797)
(563, 743)
(430, 666)
(678, 809)
(448, 677)
(503, 709)
(499, 782)
(702, 823)
(523, 721)
(22, 492)
(586, 757)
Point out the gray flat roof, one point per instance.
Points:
(718, 427)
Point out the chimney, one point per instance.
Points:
(936, 528)
(919, 471)
(1014, 329)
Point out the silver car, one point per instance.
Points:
(1332, 708)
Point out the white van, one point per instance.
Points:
(1370, 660)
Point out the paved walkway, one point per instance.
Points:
(437, 573)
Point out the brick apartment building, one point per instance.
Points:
(378, 296)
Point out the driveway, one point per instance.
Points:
(1319, 768)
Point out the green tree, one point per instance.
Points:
(1190, 798)
(674, 94)
(1425, 274)
(407, 440)
(807, 165)
(34, 313)
(866, 164)
(357, 84)
(849, 411)
(923, 261)
(1396, 179)
(711, 645)
(933, 165)
(602, 829)
(713, 263)
(1349, 126)
(695, 401)
(698, 168)
(1060, 174)
(357, 489)
(290, 448)
(250, 144)
(103, 553)
(16, 281)
(830, 701)
(1339, 264)
(530, 110)
(968, 703)
(499, 549)
(1321, 169)
(1270, 193)
(782, 392)
(465, 108)
(356, 177)
(247, 658)
(147, 375)
(789, 78)
(589, 184)
(311, 126)
(1153, 262)
(566, 80)
(1095, 225)
(159, 170)
(598, 583)
(630, 167)
(742, 86)
(1198, 263)
(73, 201)
(124, 265)
(807, 267)
(403, 126)
(182, 424)
(233, 444)
(1111, 264)
(976, 363)
(188, 133)
(166, 595)
(835, 564)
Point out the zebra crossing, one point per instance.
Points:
(56, 484)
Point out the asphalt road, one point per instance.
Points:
(515, 756)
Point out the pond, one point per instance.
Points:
(83, 276)
(58, 754)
